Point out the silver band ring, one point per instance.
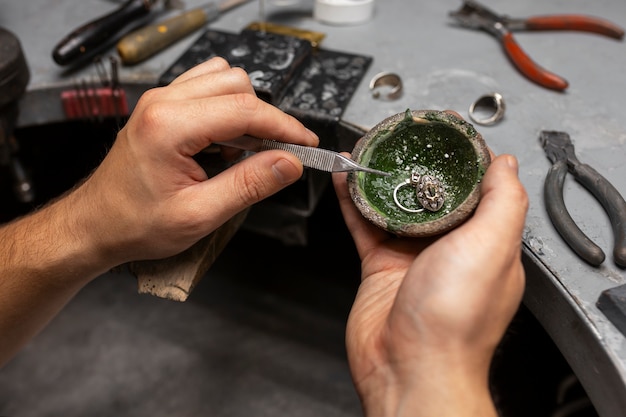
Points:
(395, 197)
(493, 104)
(386, 79)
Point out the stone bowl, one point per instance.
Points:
(426, 142)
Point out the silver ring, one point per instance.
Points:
(389, 79)
(395, 197)
(413, 181)
(492, 104)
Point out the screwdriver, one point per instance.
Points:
(147, 41)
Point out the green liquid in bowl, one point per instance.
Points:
(426, 146)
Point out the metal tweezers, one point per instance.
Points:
(560, 152)
(317, 158)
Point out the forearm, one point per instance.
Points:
(45, 259)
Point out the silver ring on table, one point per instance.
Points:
(493, 102)
(389, 79)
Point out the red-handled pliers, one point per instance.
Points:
(473, 15)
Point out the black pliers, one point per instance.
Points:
(560, 151)
(475, 16)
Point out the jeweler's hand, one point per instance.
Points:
(429, 313)
(149, 185)
(148, 199)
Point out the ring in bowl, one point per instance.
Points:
(436, 161)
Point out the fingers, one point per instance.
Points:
(244, 184)
(212, 65)
(504, 200)
(365, 235)
(237, 109)
(470, 281)
(346, 205)
(194, 123)
(501, 212)
(210, 83)
(245, 114)
(213, 102)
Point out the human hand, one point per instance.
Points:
(148, 199)
(429, 313)
(152, 199)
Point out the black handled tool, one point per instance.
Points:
(87, 39)
(560, 151)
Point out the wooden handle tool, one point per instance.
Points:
(143, 43)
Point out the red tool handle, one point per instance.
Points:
(575, 22)
(529, 68)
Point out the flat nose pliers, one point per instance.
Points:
(475, 16)
(560, 151)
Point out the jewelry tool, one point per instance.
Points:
(476, 16)
(87, 40)
(311, 157)
(560, 151)
(144, 42)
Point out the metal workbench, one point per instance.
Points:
(447, 67)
